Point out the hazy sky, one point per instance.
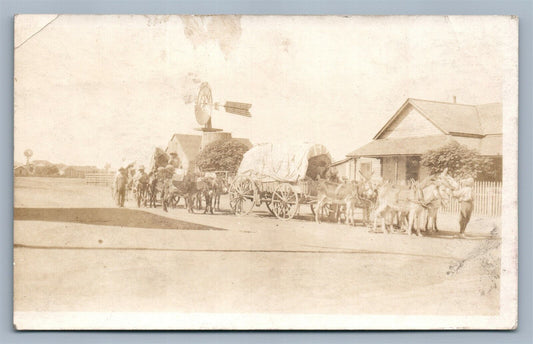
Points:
(97, 89)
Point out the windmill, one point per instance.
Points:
(204, 106)
(28, 153)
(203, 111)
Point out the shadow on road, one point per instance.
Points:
(122, 217)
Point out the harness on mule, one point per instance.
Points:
(417, 193)
(418, 190)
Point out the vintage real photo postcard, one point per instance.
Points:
(265, 172)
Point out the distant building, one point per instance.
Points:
(21, 171)
(187, 147)
(422, 125)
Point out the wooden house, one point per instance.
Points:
(422, 125)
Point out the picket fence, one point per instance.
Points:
(102, 178)
(487, 200)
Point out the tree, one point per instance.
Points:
(461, 162)
(221, 155)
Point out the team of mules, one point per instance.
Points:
(195, 189)
(413, 206)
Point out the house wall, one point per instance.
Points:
(389, 168)
(410, 123)
(375, 168)
(394, 169)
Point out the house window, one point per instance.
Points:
(412, 167)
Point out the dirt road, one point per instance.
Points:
(74, 251)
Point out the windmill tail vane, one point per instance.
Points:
(236, 108)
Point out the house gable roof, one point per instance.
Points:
(454, 119)
(189, 143)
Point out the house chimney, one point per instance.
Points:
(454, 99)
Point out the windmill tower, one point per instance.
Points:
(28, 153)
(203, 111)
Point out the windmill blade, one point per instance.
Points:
(236, 108)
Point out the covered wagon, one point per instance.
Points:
(282, 176)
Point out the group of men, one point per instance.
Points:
(123, 180)
(164, 180)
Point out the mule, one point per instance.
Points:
(329, 193)
(363, 197)
(221, 188)
(206, 187)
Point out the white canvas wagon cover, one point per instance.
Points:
(280, 162)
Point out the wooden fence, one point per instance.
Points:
(102, 178)
(487, 200)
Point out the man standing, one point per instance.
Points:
(466, 204)
(115, 189)
(140, 183)
(121, 182)
(167, 186)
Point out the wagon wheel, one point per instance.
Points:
(242, 193)
(285, 202)
(269, 208)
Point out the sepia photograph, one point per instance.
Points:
(265, 172)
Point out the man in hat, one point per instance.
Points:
(140, 183)
(167, 185)
(174, 160)
(121, 180)
(466, 204)
(115, 181)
